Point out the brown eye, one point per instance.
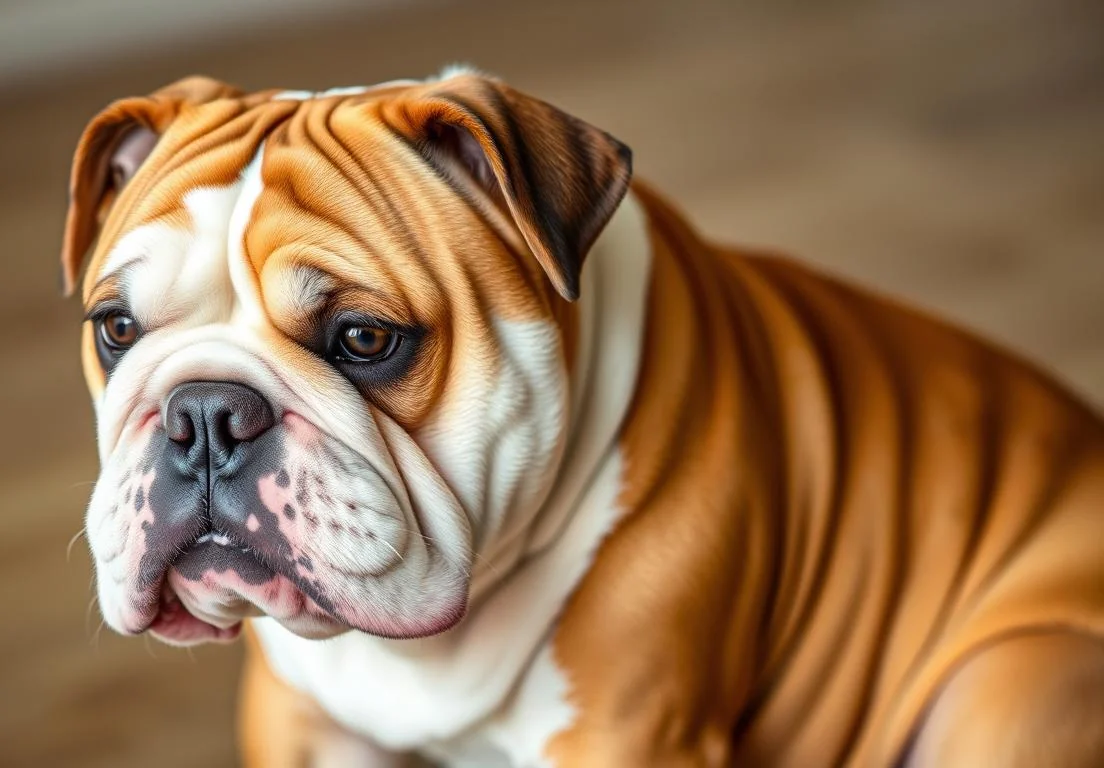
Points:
(366, 343)
(119, 331)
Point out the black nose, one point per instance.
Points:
(209, 420)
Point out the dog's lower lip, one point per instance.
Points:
(174, 622)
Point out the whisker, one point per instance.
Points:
(386, 544)
(88, 615)
(96, 636)
(149, 647)
(72, 541)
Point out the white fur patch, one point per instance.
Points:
(249, 307)
(540, 709)
(500, 442)
(293, 96)
(452, 70)
(457, 69)
(351, 90)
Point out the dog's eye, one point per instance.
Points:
(366, 343)
(119, 331)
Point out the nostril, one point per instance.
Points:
(180, 428)
(248, 417)
(222, 430)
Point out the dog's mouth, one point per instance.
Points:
(175, 625)
(218, 582)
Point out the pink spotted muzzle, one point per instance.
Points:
(213, 551)
(231, 511)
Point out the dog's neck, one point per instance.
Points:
(601, 385)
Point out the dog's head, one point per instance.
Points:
(328, 339)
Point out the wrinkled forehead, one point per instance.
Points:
(316, 183)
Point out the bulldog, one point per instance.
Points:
(502, 463)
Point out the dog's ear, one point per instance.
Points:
(111, 150)
(558, 178)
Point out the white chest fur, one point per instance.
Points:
(489, 691)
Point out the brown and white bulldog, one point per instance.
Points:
(720, 510)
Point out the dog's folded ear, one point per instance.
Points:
(558, 178)
(110, 151)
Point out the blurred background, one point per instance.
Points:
(947, 151)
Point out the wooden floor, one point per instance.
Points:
(950, 151)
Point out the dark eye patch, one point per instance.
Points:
(369, 375)
(321, 332)
(114, 332)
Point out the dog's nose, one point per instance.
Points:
(208, 420)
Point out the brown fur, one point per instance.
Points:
(831, 501)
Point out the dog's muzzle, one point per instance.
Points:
(217, 441)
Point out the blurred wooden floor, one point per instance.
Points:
(950, 151)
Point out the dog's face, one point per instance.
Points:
(328, 344)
